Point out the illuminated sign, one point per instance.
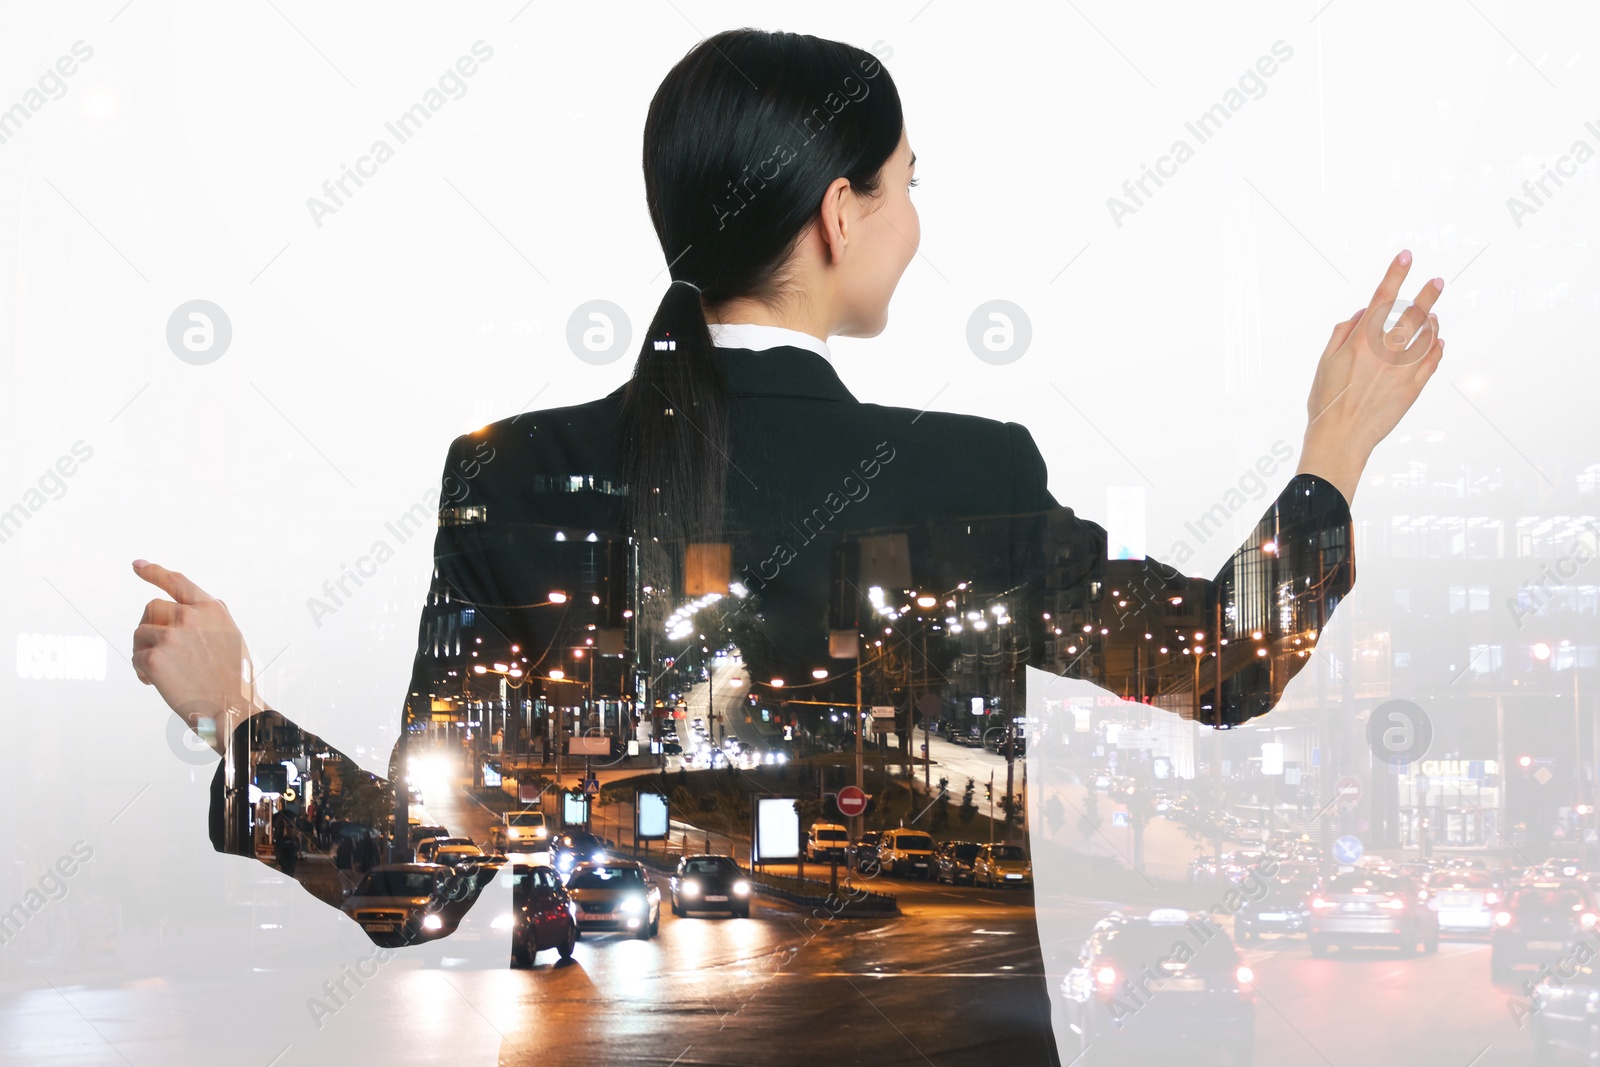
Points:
(1457, 768)
(63, 657)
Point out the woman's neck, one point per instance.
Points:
(758, 314)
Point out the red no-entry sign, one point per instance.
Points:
(851, 801)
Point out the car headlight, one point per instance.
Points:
(632, 906)
(691, 888)
(599, 856)
(741, 888)
(513, 832)
(432, 922)
(540, 832)
(502, 922)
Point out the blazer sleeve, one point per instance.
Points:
(1273, 597)
(459, 574)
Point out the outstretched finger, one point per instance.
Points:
(1388, 290)
(172, 583)
(1420, 311)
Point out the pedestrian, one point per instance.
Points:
(285, 849)
(344, 854)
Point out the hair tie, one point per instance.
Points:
(684, 281)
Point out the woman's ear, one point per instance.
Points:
(834, 218)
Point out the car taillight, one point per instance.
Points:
(1587, 919)
(1318, 902)
(1392, 904)
(1106, 976)
(1502, 918)
(1245, 975)
(1491, 897)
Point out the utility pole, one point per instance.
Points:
(859, 820)
(1009, 709)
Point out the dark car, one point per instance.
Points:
(544, 914)
(953, 862)
(710, 883)
(399, 904)
(1561, 1013)
(615, 895)
(1279, 903)
(863, 855)
(1542, 923)
(1159, 983)
(575, 848)
(1372, 908)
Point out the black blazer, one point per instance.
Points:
(812, 468)
(536, 502)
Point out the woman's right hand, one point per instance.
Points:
(191, 650)
(1367, 379)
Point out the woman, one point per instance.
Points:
(734, 461)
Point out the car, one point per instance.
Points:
(1280, 906)
(413, 795)
(615, 895)
(544, 915)
(571, 849)
(952, 861)
(1561, 1012)
(709, 883)
(1557, 868)
(1541, 923)
(420, 832)
(429, 846)
(1159, 983)
(862, 856)
(458, 855)
(826, 841)
(526, 831)
(906, 853)
(671, 747)
(398, 904)
(1367, 907)
(1002, 864)
(1466, 899)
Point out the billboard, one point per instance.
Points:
(651, 812)
(777, 830)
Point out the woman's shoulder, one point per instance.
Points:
(954, 432)
(567, 432)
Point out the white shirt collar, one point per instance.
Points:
(758, 337)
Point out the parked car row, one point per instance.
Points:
(905, 853)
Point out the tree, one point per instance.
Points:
(1089, 824)
(969, 807)
(1055, 813)
(361, 798)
